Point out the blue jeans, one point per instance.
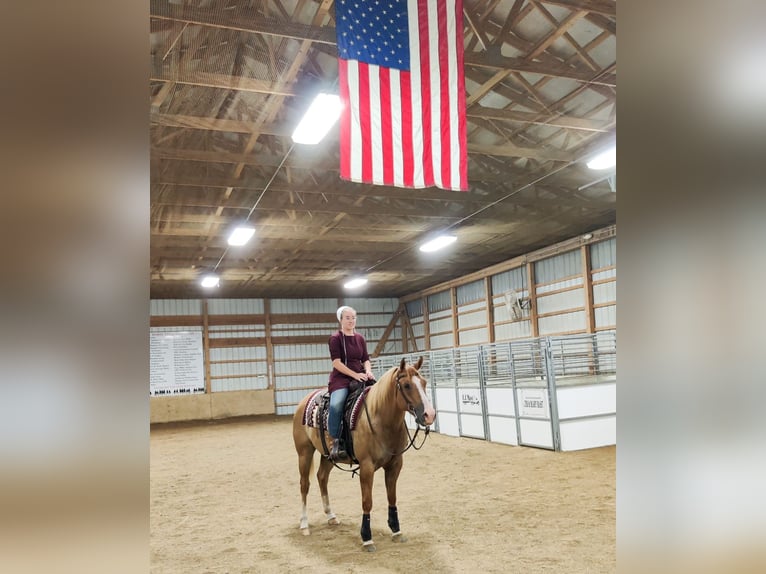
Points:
(337, 400)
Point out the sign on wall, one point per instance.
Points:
(175, 363)
(534, 403)
(470, 401)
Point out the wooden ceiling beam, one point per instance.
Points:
(603, 7)
(252, 24)
(509, 150)
(554, 120)
(494, 60)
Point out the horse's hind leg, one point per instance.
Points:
(392, 470)
(323, 474)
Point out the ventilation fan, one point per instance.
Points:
(515, 304)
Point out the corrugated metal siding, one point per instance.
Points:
(561, 301)
(574, 281)
(558, 266)
(439, 302)
(303, 305)
(606, 316)
(470, 292)
(603, 253)
(442, 341)
(608, 274)
(475, 319)
(565, 323)
(175, 307)
(474, 337)
(509, 331)
(515, 279)
(605, 292)
(235, 306)
(414, 308)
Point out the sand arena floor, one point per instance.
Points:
(225, 498)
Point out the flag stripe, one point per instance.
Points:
(345, 120)
(444, 100)
(407, 146)
(460, 148)
(364, 121)
(387, 143)
(425, 94)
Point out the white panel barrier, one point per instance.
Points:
(536, 433)
(588, 433)
(556, 393)
(503, 429)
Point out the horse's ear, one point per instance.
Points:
(419, 363)
(402, 364)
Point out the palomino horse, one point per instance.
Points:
(379, 439)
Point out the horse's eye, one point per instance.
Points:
(407, 386)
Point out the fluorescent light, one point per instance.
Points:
(241, 235)
(438, 243)
(354, 283)
(604, 160)
(320, 117)
(209, 281)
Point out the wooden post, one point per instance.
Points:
(206, 345)
(531, 289)
(270, 374)
(590, 315)
(489, 301)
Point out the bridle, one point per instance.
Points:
(410, 407)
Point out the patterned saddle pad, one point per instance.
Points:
(318, 408)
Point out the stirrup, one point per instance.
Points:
(337, 452)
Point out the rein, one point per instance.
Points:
(411, 410)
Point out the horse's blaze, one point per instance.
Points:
(429, 413)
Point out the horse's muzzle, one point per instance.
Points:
(424, 416)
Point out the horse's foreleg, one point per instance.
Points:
(323, 474)
(392, 470)
(305, 459)
(366, 476)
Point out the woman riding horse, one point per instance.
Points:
(379, 439)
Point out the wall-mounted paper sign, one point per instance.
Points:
(175, 363)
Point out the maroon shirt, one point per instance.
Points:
(354, 357)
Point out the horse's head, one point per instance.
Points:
(411, 388)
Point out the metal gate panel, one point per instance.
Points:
(470, 405)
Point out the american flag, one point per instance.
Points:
(403, 92)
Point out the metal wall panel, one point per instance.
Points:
(515, 279)
(558, 266)
(566, 322)
(603, 253)
(516, 330)
(572, 282)
(470, 292)
(175, 307)
(235, 306)
(439, 302)
(414, 308)
(606, 316)
(561, 301)
(475, 318)
(605, 292)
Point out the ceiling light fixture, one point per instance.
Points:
(322, 114)
(209, 281)
(354, 283)
(438, 243)
(605, 159)
(241, 235)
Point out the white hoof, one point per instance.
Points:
(368, 546)
(333, 521)
(305, 531)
